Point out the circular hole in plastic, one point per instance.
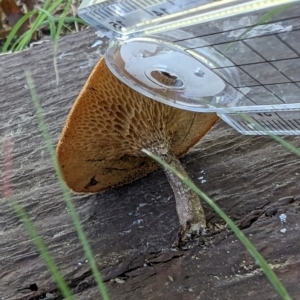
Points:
(166, 79)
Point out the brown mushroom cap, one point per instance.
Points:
(108, 125)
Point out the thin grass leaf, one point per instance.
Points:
(51, 23)
(62, 17)
(16, 43)
(25, 38)
(67, 27)
(286, 144)
(246, 242)
(46, 23)
(55, 5)
(265, 18)
(36, 25)
(33, 233)
(41, 17)
(65, 190)
(47, 4)
(67, 20)
(15, 30)
(59, 28)
(40, 245)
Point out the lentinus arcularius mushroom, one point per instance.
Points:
(107, 128)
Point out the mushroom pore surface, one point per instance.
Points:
(108, 126)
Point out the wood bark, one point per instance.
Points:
(131, 228)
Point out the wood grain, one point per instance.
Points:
(130, 227)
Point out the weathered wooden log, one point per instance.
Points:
(131, 228)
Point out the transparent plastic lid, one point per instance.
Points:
(222, 56)
(168, 74)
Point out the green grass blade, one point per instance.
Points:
(16, 43)
(265, 18)
(51, 23)
(66, 193)
(14, 30)
(67, 20)
(47, 4)
(62, 17)
(284, 143)
(37, 240)
(35, 237)
(41, 17)
(246, 242)
(58, 32)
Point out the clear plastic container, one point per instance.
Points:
(207, 56)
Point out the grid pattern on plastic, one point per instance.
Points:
(279, 123)
(265, 58)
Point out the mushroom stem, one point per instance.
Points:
(188, 205)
